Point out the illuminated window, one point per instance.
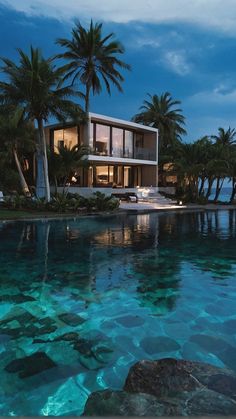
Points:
(65, 137)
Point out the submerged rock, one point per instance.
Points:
(130, 321)
(157, 344)
(168, 375)
(71, 319)
(30, 365)
(169, 387)
(16, 298)
(120, 403)
(161, 378)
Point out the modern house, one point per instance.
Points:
(123, 155)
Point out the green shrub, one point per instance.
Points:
(62, 203)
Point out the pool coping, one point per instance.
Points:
(128, 209)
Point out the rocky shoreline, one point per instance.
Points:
(169, 387)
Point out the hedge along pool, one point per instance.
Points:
(83, 300)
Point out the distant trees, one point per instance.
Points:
(206, 163)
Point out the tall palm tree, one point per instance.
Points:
(225, 137)
(160, 112)
(16, 134)
(188, 166)
(232, 173)
(204, 145)
(92, 59)
(34, 84)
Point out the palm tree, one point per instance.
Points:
(35, 85)
(66, 161)
(159, 112)
(92, 59)
(232, 174)
(224, 145)
(16, 135)
(205, 153)
(188, 167)
(225, 138)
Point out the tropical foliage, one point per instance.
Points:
(34, 84)
(160, 112)
(64, 162)
(205, 166)
(16, 142)
(62, 203)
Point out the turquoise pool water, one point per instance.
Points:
(90, 297)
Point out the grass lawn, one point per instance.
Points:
(6, 214)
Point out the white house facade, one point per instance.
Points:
(123, 155)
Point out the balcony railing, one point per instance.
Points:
(139, 153)
(145, 154)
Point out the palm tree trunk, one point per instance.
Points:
(42, 182)
(202, 184)
(232, 198)
(210, 183)
(87, 104)
(56, 185)
(218, 188)
(23, 182)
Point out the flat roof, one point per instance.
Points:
(121, 122)
(104, 118)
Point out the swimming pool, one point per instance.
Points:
(83, 300)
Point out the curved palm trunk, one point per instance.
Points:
(23, 182)
(210, 183)
(218, 188)
(201, 188)
(232, 198)
(42, 181)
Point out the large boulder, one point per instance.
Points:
(121, 403)
(169, 387)
(168, 376)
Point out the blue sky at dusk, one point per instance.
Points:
(186, 47)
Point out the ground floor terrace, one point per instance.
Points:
(113, 177)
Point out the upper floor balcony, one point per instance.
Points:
(121, 142)
(107, 137)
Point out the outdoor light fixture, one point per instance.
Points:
(180, 202)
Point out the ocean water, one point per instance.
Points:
(224, 196)
(83, 300)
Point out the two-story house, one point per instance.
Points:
(123, 154)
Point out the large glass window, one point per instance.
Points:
(128, 177)
(117, 142)
(104, 176)
(91, 136)
(65, 137)
(139, 150)
(102, 146)
(129, 144)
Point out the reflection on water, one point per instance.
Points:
(95, 295)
